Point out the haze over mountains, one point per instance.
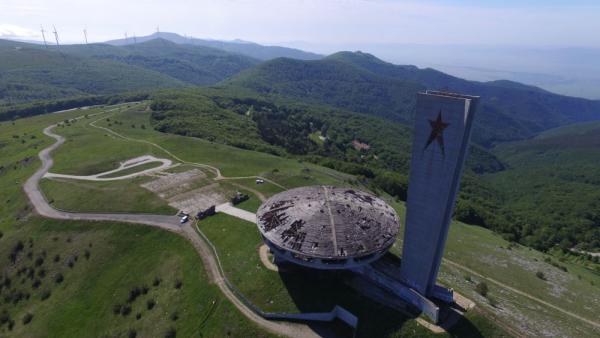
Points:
(573, 71)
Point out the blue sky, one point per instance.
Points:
(340, 22)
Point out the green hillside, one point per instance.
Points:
(191, 64)
(558, 195)
(361, 82)
(31, 72)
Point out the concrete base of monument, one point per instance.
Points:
(447, 314)
(381, 282)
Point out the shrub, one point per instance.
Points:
(87, 254)
(27, 318)
(178, 284)
(540, 275)
(145, 289)
(468, 278)
(36, 283)
(138, 316)
(125, 310)
(45, 294)
(482, 289)
(131, 333)
(156, 281)
(58, 278)
(134, 294)
(4, 317)
(117, 308)
(57, 258)
(171, 333)
(150, 304)
(174, 316)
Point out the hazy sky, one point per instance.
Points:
(351, 22)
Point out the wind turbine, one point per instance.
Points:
(44, 36)
(85, 35)
(56, 37)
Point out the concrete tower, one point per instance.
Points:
(441, 138)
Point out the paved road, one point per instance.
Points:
(170, 223)
(131, 163)
(229, 209)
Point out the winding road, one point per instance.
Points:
(170, 223)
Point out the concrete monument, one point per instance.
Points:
(441, 138)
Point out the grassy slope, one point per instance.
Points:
(474, 247)
(30, 72)
(111, 196)
(121, 257)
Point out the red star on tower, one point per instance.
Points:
(437, 132)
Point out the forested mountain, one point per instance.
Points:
(191, 64)
(33, 72)
(361, 82)
(558, 175)
(250, 49)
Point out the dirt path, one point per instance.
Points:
(521, 293)
(139, 161)
(170, 223)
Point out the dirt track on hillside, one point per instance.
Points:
(170, 223)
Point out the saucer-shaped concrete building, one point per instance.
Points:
(327, 227)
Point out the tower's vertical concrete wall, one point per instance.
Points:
(441, 138)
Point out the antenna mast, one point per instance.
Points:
(56, 37)
(85, 35)
(44, 36)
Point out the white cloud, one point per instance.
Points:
(17, 32)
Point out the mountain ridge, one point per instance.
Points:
(247, 48)
(509, 111)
